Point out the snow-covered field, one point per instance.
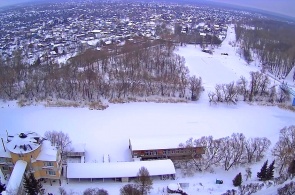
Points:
(108, 131)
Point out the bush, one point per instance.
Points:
(237, 180)
(95, 191)
(130, 189)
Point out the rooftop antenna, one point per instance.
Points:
(7, 135)
(3, 144)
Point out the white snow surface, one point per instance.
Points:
(48, 152)
(108, 131)
(119, 169)
(16, 145)
(16, 176)
(4, 153)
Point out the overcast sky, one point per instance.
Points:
(286, 7)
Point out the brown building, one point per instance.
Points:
(162, 148)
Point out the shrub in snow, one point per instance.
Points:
(230, 192)
(248, 174)
(95, 191)
(245, 189)
(129, 189)
(2, 187)
(288, 189)
(237, 181)
(62, 191)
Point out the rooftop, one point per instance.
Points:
(119, 169)
(48, 152)
(16, 176)
(151, 143)
(24, 142)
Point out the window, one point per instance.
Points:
(150, 153)
(5, 168)
(50, 172)
(48, 164)
(166, 152)
(2, 160)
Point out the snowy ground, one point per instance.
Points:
(108, 131)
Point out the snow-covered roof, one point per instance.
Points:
(16, 176)
(118, 169)
(78, 147)
(48, 152)
(4, 154)
(24, 143)
(152, 143)
(96, 31)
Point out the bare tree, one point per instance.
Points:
(195, 85)
(211, 96)
(255, 148)
(284, 149)
(233, 149)
(59, 139)
(248, 174)
(242, 87)
(230, 93)
(144, 181)
(213, 152)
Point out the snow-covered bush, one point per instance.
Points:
(288, 189)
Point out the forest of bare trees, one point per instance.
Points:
(258, 88)
(226, 152)
(131, 71)
(270, 41)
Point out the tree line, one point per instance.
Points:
(131, 71)
(270, 41)
(259, 88)
(226, 152)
